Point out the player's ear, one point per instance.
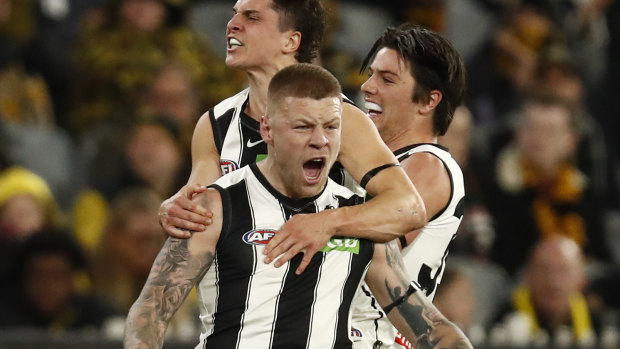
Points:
(265, 129)
(292, 42)
(433, 101)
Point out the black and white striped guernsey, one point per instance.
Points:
(238, 140)
(245, 303)
(424, 258)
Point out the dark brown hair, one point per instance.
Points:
(435, 65)
(307, 17)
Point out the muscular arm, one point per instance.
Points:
(179, 213)
(406, 307)
(396, 207)
(180, 264)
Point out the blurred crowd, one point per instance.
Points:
(99, 98)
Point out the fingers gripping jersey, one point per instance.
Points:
(424, 258)
(245, 303)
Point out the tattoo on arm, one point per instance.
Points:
(401, 293)
(174, 274)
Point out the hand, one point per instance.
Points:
(179, 215)
(306, 233)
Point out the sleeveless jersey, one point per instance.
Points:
(236, 135)
(245, 303)
(238, 140)
(424, 258)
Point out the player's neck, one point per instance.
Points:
(414, 134)
(268, 168)
(258, 82)
(281, 183)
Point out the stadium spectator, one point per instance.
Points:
(44, 292)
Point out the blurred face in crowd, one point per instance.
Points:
(458, 136)
(144, 15)
(21, 215)
(172, 95)
(457, 301)
(553, 274)
(153, 153)
(303, 136)
(48, 282)
(5, 10)
(388, 93)
(138, 241)
(253, 35)
(545, 136)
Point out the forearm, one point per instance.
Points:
(407, 307)
(391, 214)
(172, 277)
(144, 327)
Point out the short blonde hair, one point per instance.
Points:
(303, 80)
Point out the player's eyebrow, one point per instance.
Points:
(246, 13)
(383, 72)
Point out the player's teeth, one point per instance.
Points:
(370, 106)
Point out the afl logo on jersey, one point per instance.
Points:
(228, 166)
(258, 236)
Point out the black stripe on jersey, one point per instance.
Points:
(353, 200)
(250, 132)
(405, 149)
(347, 100)
(219, 126)
(352, 284)
(296, 299)
(459, 210)
(232, 281)
(451, 189)
(227, 210)
(336, 173)
(374, 305)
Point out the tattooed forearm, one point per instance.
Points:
(172, 277)
(412, 313)
(405, 304)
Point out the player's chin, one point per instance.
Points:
(232, 62)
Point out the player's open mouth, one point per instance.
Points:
(312, 169)
(373, 108)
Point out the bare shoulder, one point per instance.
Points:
(211, 200)
(203, 124)
(362, 148)
(205, 156)
(429, 174)
(422, 164)
(351, 115)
